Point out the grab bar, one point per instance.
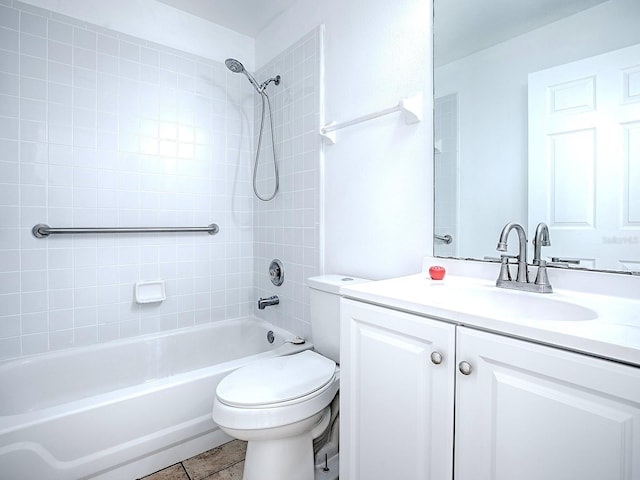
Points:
(445, 238)
(43, 230)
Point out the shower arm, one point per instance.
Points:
(275, 80)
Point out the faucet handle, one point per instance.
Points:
(573, 261)
(500, 259)
(505, 273)
(542, 279)
(563, 262)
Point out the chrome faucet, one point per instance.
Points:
(267, 302)
(523, 272)
(540, 240)
(541, 283)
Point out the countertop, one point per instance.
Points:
(602, 325)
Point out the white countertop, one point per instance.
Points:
(602, 325)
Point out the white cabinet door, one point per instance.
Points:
(396, 405)
(530, 412)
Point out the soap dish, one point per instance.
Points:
(150, 292)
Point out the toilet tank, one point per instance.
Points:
(324, 300)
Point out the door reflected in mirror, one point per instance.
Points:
(537, 119)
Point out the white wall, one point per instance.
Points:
(492, 94)
(287, 227)
(121, 170)
(377, 199)
(158, 22)
(98, 128)
(378, 195)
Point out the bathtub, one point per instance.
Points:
(123, 409)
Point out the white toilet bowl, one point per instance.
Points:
(278, 405)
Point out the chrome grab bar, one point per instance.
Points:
(42, 230)
(444, 238)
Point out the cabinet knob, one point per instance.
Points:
(465, 368)
(436, 358)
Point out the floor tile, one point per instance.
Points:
(234, 472)
(174, 472)
(206, 464)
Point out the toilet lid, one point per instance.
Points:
(276, 380)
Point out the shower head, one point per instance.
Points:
(236, 67)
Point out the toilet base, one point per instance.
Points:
(290, 458)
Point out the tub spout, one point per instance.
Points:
(267, 302)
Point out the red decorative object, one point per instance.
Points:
(436, 272)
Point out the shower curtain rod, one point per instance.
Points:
(42, 230)
(411, 108)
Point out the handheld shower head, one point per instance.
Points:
(236, 67)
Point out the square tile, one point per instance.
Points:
(9, 18)
(84, 38)
(60, 32)
(33, 24)
(175, 472)
(232, 473)
(214, 461)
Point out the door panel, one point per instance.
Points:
(530, 412)
(396, 404)
(584, 158)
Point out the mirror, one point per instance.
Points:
(537, 119)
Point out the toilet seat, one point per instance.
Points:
(277, 381)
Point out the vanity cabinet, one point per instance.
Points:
(532, 412)
(396, 404)
(522, 410)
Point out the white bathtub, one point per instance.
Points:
(123, 409)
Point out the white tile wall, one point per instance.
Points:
(287, 228)
(98, 128)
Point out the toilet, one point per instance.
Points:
(280, 405)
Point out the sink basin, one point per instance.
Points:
(491, 301)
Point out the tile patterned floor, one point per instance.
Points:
(225, 462)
